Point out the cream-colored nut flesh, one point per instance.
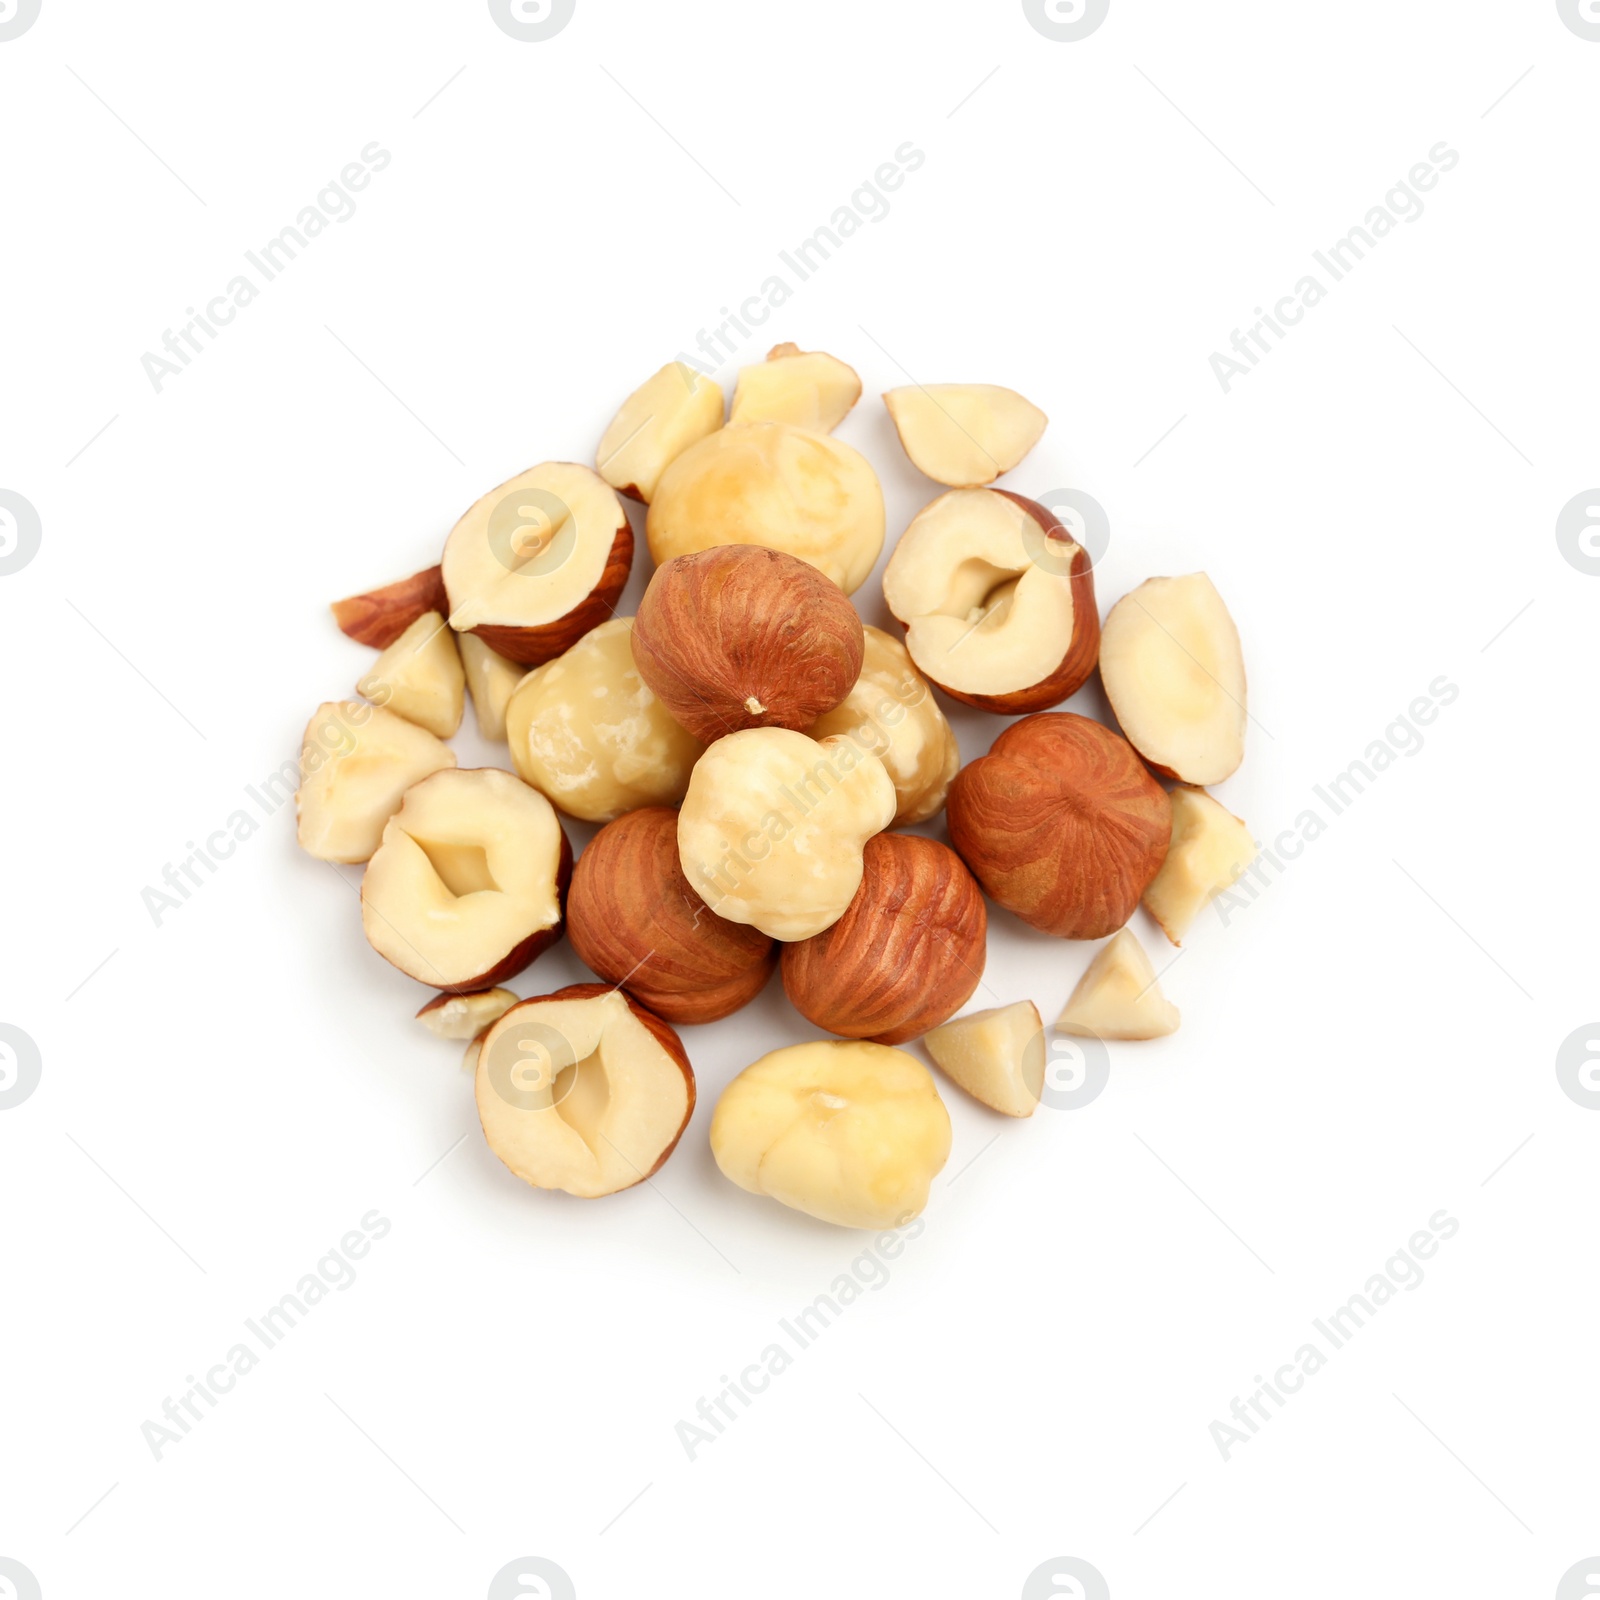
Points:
(579, 1095)
(964, 434)
(983, 615)
(807, 389)
(1119, 997)
(585, 730)
(891, 711)
(668, 412)
(997, 1056)
(849, 1132)
(419, 677)
(490, 680)
(356, 763)
(466, 883)
(771, 484)
(773, 826)
(1210, 848)
(532, 549)
(1174, 673)
(465, 1016)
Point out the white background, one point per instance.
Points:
(1374, 1040)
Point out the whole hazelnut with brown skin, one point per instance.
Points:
(1062, 824)
(634, 920)
(906, 955)
(740, 636)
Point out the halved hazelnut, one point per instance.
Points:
(380, 616)
(1062, 824)
(771, 484)
(1210, 847)
(356, 763)
(998, 1056)
(744, 637)
(536, 563)
(804, 388)
(1174, 674)
(634, 920)
(583, 1090)
(1119, 996)
(465, 1016)
(773, 826)
(964, 434)
(419, 677)
(468, 885)
(490, 681)
(667, 413)
(849, 1132)
(891, 711)
(585, 730)
(997, 600)
(906, 954)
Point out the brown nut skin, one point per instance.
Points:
(380, 616)
(1062, 824)
(634, 920)
(905, 956)
(740, 636)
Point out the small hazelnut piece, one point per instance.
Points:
(668, 412)
(1174, 674)
(1118, 997)
(964, 434)
(772, 828)
(806, 389)
(536, 563)
(1210, 847)
(419, 677)
(583, 1090)
(744, 637)
(998, 1056)
(634, 921)
(848, 1132)
(997, 601)
(379, 617)
(772, 484)
(585, 730)
(356, 763)
(907, 953)
(468, 885)
(1062, 824)
(892, 712)
(490, 680)
(465, 1016)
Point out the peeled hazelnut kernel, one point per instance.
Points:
(419, 677)
(586, 731)
(469, 883)
(1173, 671)
(770, 484)
(356, 763)
(848, 1132)
(380, 616)
(773, 826)
(964, 434)
(892, 712)
(1119, 997)
(998, 1056)
(997, 600)
(1210, 847)
(668, 412)
(465, 1016)
(907, 953)
(583, 1090)
(634, 921)
(490, 681)
(744, 637)
(805, 389)
(536, 563)
(1062, 824)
